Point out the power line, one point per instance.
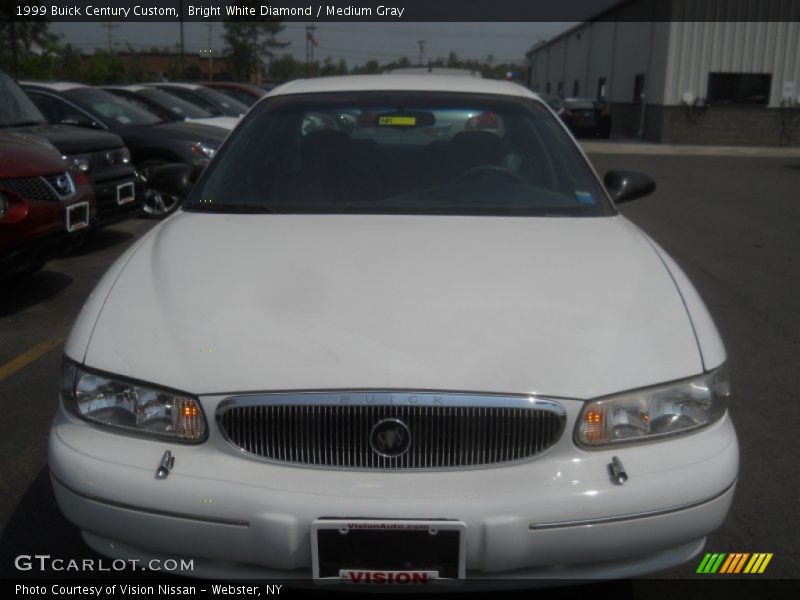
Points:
(109, 26)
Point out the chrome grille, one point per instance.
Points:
(447, 431)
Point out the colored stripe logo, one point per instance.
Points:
(734, 563)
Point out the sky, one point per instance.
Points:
(355, 42)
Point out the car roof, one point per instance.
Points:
(389, 82)
(188, 86)
(434, 71)
(129, 88)
(55, 86)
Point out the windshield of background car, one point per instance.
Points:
(176, 106)
(409, 153)
(16, 109)
(228, 105)
(110, 108)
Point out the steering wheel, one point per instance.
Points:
(470, 174)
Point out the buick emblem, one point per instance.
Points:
(390, 438)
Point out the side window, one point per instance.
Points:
(194, 99)
(50, 107)
(241, 96)
(57, 111)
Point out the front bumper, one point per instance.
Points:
(557, 516)
(108, 210)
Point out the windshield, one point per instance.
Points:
(231, 107)
(176, 106)
(16, 109)
(390, 153)
(111, 109)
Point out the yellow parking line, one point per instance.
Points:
(27, 357)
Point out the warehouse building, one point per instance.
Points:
(684, 71)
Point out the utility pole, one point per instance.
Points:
(421, 51)
(183, 49)
(210, 53)
(257, 70)
(109, 26)
(310, 43)
(14, 65)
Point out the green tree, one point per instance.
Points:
(105, 68)
(70, 65)
(286, 68)
(26, 46)
(248, 44)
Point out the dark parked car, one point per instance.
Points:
(101, 155)
(169, 106)
(153, 141)
(213, 101)
(44, 205)
(554, 101)
(586, 117)
(243, 92)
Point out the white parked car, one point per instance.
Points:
(385, 349)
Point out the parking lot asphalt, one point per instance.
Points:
(731, 222)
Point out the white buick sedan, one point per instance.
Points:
(398, 333)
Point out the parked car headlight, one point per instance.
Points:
(656, 412)
(129, 407)
(204, 150)
(125, 155)
(80, 162)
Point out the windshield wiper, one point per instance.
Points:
(234, 208)
(24, 123)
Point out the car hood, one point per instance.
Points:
(569, 307)
(196, 132)
(181, 131)
(226, 123)
(25, 155)
(73, 140)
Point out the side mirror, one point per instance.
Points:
(80, 121)
(625, 186)
(174, 179)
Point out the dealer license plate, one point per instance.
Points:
(394, 552)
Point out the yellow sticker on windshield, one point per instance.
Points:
(398, 121)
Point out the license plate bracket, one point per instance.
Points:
(125, 193)
(392, 551)
(77, 216)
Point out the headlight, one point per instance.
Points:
(125, 155)
(653, 413)
(81, 162)
(204, 150)
(131, 408)
(3, 205)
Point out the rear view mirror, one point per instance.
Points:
(625, 186)
(174, 179)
